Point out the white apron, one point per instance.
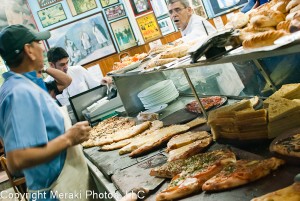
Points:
(74, 178)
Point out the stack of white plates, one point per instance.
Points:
(158, 94)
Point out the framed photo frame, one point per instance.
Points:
(166, 26)
(159, 7)
(115, 12)
(149, 27)
(45, 3)
(85, 40)
(52, 15)
(140, 6)
(106, 3)
(198, 8)
(81, 6)
(123, 34)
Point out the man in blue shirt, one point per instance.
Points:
(31, 125)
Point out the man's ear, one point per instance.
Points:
(190, 10)
(28, 51)
(51, 64)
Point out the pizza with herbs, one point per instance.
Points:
(240, 173)
(289, 146)
(208, 103)
(194, 173)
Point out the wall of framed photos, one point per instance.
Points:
(97, 31)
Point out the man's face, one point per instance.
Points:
(180, 14)
(37, 52)
(61, 65)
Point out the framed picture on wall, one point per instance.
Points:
(80, 6)
(106, 3)
(85, 40)
(123, 34)
(45, 3)
(159, 7)
(166, 26)
(115, 12)
(198, 8)
(140, 6)
(52, 15)
(149, 27)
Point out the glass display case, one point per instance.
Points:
(236, 75)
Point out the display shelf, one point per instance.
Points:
(228, 58)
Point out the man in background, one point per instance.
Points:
(192, 26)
(195, 27)
(82, 80)
(60, 82)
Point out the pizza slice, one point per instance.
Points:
(120, 144)
(130, 132)
(185, 139)
(194, 176)
(172, 168)
(240, 173)
(159, 136)
(288, 146)
(190, 149)
(290, 193)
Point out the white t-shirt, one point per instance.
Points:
(196, 28)
(82, 81)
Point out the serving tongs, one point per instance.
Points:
(213, 46)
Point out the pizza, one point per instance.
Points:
(288, 146)
(189, 149)
(198, 170)
(100, 134)
(172, 168)
(185, 139)
(290, 193)
(240, 173)
(120, 144)
(159, 137)
(207, 103)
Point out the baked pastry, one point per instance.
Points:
(263, 39)
(292, 4)
(239, 20)
(295, 23)
(267, 19)
(280, 6)
(290, 193)
(159, 62)
(177, 52)
(284, 25)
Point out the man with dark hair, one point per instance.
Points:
(38, 138)
(192, 26)
(82, 80)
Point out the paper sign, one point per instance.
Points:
(96, 72)
(219, 23)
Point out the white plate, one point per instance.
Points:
(154, 88)
(157, 108)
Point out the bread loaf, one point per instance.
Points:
(239, 20)
(280, 6)
(295, 23)
(267, 19)
(263, 39)
(292, 4)
(177, 52)
(159, 62)
(284, 25)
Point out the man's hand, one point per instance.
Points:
(78, 133)
(106, 81)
